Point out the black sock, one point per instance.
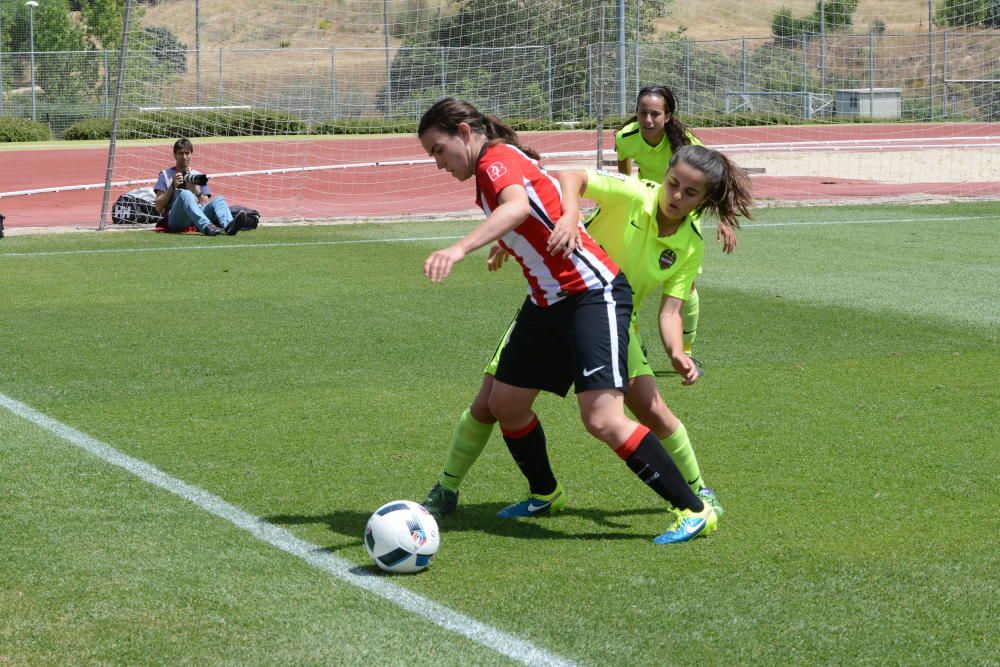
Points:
(651, 463)
(527, 446)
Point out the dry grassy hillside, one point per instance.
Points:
(722, 19)
(358, 23)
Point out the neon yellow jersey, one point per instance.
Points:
(625, 224)
(651, 160)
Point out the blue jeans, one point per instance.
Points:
(185, 211)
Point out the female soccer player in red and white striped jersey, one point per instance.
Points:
(571, 329)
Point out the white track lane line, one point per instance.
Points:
(503, 643)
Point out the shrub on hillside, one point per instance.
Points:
(22, 129)
(92, 128)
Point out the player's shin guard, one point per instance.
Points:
(689, 320)
(527, 446)
(467, 443)
(644, 454)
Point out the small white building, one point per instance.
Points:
(868, 103)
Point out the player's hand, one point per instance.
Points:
(498, 256)
(178, 181)
(438, 265)
(565, 236)
(685, 367)
(726, 235)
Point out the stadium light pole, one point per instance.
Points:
(31, 4)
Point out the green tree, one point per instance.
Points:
(959, 13)
(829, 15)
(104, 20)
(465, 39)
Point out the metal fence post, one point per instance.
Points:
(806, 93)
(388, 63)
(590, 79)
(222, 91)
(333, 83)
(944, 77)
(548, 76)
(743, 64)
(107, 84)
(871, 74)
(443, 79)
(638, 83)
(822, 45)
(687, 76)
(930, 54)
(1, 64)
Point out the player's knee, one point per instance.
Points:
(599, 424)
(480, 409)
(506, 409)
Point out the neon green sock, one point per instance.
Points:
(679, 447)
(467, 443)
(689, 320)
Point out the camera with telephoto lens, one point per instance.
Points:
(195, 179)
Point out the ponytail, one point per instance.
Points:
(729, 191)
(677, 133)
(447, 114)
(499, 132)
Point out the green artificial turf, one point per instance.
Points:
(310, 374)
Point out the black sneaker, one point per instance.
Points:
(212, 230)
(441, 501)
(239, 219)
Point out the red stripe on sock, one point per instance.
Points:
(625, 449)
(521, 432)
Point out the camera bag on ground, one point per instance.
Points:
(252, 219)
(135, 207)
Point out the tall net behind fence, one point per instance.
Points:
(330, 93)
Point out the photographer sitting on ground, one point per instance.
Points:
(185, 195)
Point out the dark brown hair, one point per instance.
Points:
(677, 132)
(729, 190)
(183, 144)
(447, 114)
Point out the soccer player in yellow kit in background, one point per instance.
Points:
(648, 140)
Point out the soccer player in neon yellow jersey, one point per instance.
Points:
(651, 231)
(649, 140)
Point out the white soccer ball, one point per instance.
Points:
(402, 537)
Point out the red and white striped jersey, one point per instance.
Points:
(550, 278)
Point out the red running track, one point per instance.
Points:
(419, 189)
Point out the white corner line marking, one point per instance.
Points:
(501, 642)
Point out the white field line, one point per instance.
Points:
(501, 642)
(419, 239)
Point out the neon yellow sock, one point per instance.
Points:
(689, 320)
(467, 443)
(679, 447)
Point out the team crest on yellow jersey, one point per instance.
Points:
(667, 258)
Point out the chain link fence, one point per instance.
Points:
(938, 76)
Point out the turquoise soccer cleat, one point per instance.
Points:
(536, 505)
(688, 525)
